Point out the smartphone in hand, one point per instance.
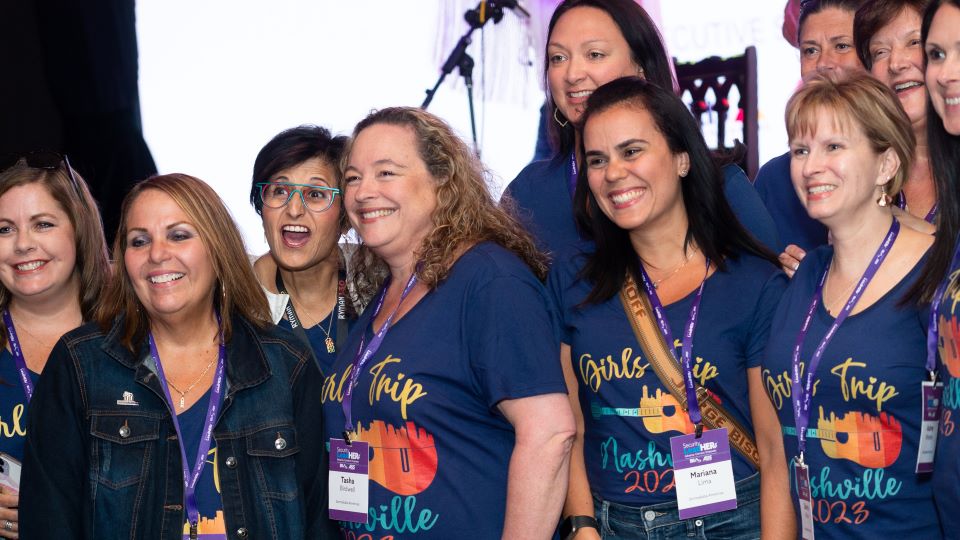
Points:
(9, 473)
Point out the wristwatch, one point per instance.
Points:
(570, 526)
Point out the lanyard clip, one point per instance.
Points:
(193, 530)
(349, 436)
(698, 430)
(933, 376)
(800, 459)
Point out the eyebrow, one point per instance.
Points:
(33, 217)
(287, 178)
(384, 161)
(171, 226)
(619, 146)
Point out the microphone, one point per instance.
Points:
(514, 5)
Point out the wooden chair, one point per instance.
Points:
(720, 75)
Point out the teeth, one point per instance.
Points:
(820, 189)
(905, 85)
(33, 265)
(295, 228)
(953, 100)
(582, 93)
(166, 278)
(376, 214)
(621, 198)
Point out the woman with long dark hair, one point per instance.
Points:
(650, 200)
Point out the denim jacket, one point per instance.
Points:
(102, 458)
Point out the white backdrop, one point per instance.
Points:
(218, 79)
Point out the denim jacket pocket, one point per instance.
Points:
(122, 447)
(271, 449)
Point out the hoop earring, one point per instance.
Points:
(557, 120)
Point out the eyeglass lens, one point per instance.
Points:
(277, 195)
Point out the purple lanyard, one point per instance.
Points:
(190, 480)
(802, 394)
(933, 331)
(693, 406)
(902, 204)
(364, 354)
(18, 356)
(572, 183)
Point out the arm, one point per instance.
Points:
(539, 465)
(579, 500)
(777, 520)
(55, 465)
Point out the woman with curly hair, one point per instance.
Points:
(465, 415)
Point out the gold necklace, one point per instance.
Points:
(657, 282)
(183, 393)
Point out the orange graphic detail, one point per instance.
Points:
(670, 417)
(864, 439)
(403, 460)
(949, 351)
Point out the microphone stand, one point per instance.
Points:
(476, 18)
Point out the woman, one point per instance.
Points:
(887, 36)
(940, 36)
(183, 381)
(652, 205)
(465, 415)
(54, 267)
(844, 365)
(825, 36)
(589, 43)
(295, 179)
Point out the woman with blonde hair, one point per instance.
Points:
(845, 362)
(464, 413)
(54, 266)
(185, 411)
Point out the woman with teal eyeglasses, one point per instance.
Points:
(295, 178)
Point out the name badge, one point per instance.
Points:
(349, 480)
(703, 473)
(801, 474)
(930, 425)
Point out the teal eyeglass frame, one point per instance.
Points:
(297, 188)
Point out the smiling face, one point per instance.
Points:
(898, 62)
(166, 261)
(943, 66)
(826, 42)
(835, 171)
(584, 51)
(632, 172)
(300, 238)
(389, 194)
(37, 244)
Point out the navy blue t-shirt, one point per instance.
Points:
(426, 402)
(318, 339)
(946, 474)
(793, 223)
(629, 416)
(865, 414)
(541, 194)
(13, 406)
(212, 525)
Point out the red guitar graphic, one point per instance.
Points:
(403, 460)
(864, 439)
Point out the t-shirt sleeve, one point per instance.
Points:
(556, 286)
(513, 349)
(749, 208)
(763, 316)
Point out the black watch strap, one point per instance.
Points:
(570, 526)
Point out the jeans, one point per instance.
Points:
(662, 521)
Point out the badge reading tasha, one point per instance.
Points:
(703, 473)
(349, 480)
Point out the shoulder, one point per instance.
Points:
(491, 260)
(771, 171)
(535, 175)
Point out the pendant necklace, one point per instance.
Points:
(183, 393)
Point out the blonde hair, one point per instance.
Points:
(856, 100)
(237, 286)
(92, 263)
(466, 212)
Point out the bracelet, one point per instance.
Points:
(572, 524)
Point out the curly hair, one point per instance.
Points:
(466, 212)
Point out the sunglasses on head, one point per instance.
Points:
(42, 159)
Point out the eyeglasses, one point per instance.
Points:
(315, 198)
(42, 159)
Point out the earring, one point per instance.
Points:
(683, 173)
(562, 124)
(884, 199)
(640, 73)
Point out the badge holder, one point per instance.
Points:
(703, 472)
(349, 482)
(932, 392)
(801, 475)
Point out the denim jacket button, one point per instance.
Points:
(280, 443)
(231, 462)
(242, 532)
(124, 431)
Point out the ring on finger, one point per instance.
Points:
(7, 525)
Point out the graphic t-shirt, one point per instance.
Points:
(13, 406)
(866, 410)
(946, 474)
(793, 223)
(426, 402)
(211, 525)
(629, 416)
(318, 339)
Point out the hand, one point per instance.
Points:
(8, 512)
(790, 259)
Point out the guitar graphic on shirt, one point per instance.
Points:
(402, 460)
(869, 441)
(660, 413)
